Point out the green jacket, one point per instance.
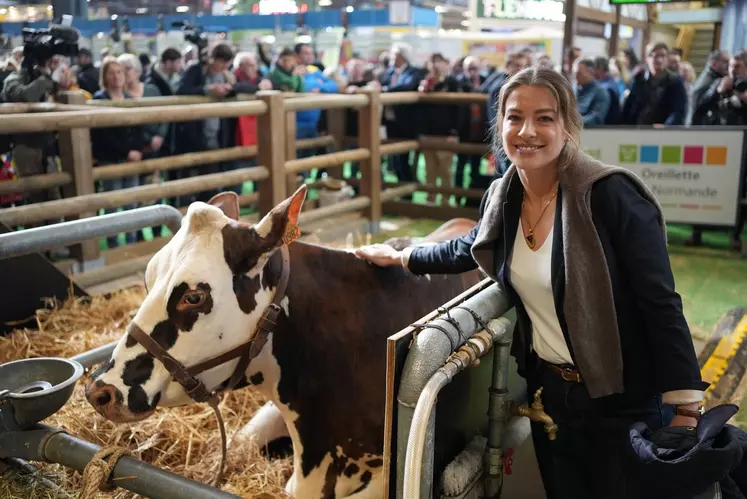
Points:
(286, 82)
(18, 87)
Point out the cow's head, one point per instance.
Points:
(206, 293)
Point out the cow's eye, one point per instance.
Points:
(193, 299)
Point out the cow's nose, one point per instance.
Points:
(103, 396)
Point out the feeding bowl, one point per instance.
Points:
(37, 388)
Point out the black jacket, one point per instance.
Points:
(112, 144)
(442, 119)
(687, 464)
(405, 124)
(88, 78)
(664, 104)
(656, 345)
(189, 134)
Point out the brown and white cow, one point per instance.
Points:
(324, 366)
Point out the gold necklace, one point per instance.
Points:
(531, 241)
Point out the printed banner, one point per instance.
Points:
(694, 174)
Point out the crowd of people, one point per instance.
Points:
(660, 90)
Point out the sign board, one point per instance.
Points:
(495, 52)
(536, 10)
(694, 174)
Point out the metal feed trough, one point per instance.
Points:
(425, 379)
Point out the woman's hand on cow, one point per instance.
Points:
(382, 255)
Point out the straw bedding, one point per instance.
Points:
(183, 440)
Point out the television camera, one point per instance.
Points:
(40, 45)
(194, 34)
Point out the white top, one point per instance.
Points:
(531, 277)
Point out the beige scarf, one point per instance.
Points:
(589, 305)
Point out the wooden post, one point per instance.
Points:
(336, 128)
(369, 121)
(271, 150)
(76, 159)
(646, 39)
(568, 33)
(615, 32)
(291, 152)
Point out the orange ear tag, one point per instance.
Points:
(292, 232)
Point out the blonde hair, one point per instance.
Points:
(131, 61)
(106, 64)
(688, 72)
(561, 90)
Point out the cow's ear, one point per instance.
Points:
(228, 202)
(280, 225)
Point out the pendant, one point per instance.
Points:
(530, 240)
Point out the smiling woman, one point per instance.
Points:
(580, 248)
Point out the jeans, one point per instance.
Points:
(116, 184)
(590, 458)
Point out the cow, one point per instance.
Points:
(324, 365)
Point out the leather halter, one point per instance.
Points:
(185, 376)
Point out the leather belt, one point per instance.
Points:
(567, 373)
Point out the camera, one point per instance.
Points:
(740, 85)
(40, 45)
(193, 33)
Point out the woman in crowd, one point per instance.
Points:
(580, 249)
(116, 144)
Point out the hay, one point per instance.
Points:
(183, 440)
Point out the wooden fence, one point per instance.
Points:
(275, 154)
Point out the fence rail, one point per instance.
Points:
(276, 152)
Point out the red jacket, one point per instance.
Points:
(246, 126)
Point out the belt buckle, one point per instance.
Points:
(571, 376)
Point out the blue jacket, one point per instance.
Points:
(685, 463)
(314, 78)
(613, 89)
(593, 103)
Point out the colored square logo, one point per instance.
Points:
(649, 154)
(671, 155)
(716, 155)
(693, 155)
(628, 154)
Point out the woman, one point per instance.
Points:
(583, 257)
(116, 144)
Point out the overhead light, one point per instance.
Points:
(182, 8)
(49, 7)
(324, 3)
(141, 10)
(3, 11)
(465, 23)
(114, 17)
(439, 9)
(349, 9)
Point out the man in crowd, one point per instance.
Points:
(593, 100)
(607, 82)
(401, 121)
(716, 68)
(213, 79)
(88, 74)
(657, 95)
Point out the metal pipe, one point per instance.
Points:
(474, 348)
(497, 418)
(44, 238)
(428, 352)
(129, 473)
(95, 356)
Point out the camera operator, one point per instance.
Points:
(725, 103)
(33, 153)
